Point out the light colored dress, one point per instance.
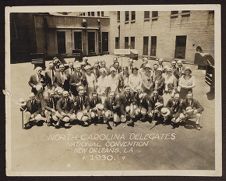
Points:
(185, 85)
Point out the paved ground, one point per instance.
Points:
(32, 150)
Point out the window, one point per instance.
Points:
(185, 13)
(92, 14)
(102, 13)
(133, 16)
(174, 14)
(132, 42)
(154, 15)
(145, 45)
(88, 13)
(153, 45)
(84, 14)
(118, 16)
(61, 42)
(126, 42)
(98, 13)
(146, 15)
(126, 16)
(117, 41)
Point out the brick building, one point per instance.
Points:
(167, 34)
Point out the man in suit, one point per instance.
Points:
(37, 81)
(61, 78)
(112, 106)
(175, 106)
(127, 105)
(81, 106)
(32, 112)
(64, 109)
(49, 108)
(191, 108)
(50, 76)
(76, 79)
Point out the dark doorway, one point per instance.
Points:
(105, 42)
(91, 42)
(78, 40)
(180, 46)
(153, 45)
(61, 42)
(145, 45)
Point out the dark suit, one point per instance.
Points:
(33, 106)
(50, 78)
(59, 82)
(194, 104)
(81, 103)
(33, 81)
(145, 103)
(75, 79)
(126, 99)
(94, 101)
(112, 104)
(174, 107)
(155, 99)
(64, 106)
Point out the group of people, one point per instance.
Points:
(81, 93)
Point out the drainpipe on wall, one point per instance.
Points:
(45, 24)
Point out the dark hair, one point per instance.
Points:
(198, 49)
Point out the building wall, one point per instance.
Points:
(68, 24)
(198, 27)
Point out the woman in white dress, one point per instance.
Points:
(101, 84)
(135, 80)
(186, 83)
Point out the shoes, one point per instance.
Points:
(198, 127)
(28, 126)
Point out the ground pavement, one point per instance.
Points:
(34, 150)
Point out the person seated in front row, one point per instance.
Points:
(112, 106)
(32, 112)
(82, 107)
(191, 108)
(64, 113)
(127, 106)
(49, 108)
(144, 106)
(175, 106)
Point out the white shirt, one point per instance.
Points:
(135, 82)
(101, 85)
(91, 80)
(113, 82)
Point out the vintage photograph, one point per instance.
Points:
(113, 90)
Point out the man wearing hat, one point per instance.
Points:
(165, 115)
(81, 106)
(37, 81)
(90, 79)
(147, 80)
(117, 67)
(32, 111)
(112, 108)
(64, 109)
(191, 108)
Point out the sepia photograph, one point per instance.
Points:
(113, 90)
